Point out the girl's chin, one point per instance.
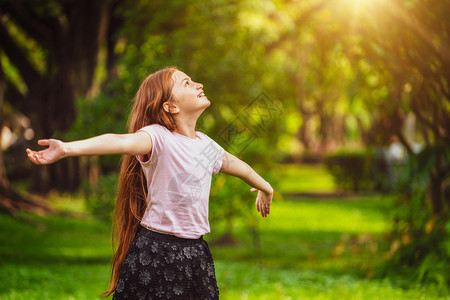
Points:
(208, 102)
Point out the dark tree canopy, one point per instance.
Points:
(51, 51)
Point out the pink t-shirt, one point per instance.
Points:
(178, 177)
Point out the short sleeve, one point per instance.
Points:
(216, 152)
(219, 161)
(157, 134)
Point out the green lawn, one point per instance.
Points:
(315, 249)
(53, 258)
(309, 249)
(304, 178)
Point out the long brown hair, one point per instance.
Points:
(132, 191)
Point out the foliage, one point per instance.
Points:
(421, 231)
(104, 114)
(350, 170)
(407, 46)
(226, 204)
(101, 198)
(359, 171)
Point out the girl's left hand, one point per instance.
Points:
(263, 202)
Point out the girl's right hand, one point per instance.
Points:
(53, 153)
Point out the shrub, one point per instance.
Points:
(350, 170)
(422, 222)
(363, 171)
(100, 199)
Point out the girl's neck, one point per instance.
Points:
(186, 129)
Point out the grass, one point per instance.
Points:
(306, 178)
(53, 258)
(321, 249)
(308, 249)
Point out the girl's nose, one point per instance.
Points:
(199, 86)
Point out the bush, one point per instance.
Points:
(363, 171)
(420, 247)
(350, 170)
(100, 199)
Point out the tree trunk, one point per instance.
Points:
(72, 46)
(437, 177)
(3, 178)
(12, 202)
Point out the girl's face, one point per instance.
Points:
(188, 95)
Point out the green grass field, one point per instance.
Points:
(306, 178)
(309, 249)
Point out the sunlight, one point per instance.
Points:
(364, 3)
(363, 6)
(374, 9)
(362, 9)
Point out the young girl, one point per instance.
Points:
(161, 211)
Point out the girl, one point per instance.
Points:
(161, 211)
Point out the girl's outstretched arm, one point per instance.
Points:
(232, 165)
(137, 143)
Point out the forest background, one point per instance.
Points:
(353, 90)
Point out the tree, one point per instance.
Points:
(411, 45)
(50, 52)
(398, 65)
(407, 45)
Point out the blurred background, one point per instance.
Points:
(342, 105)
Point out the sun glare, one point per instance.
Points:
(364, 5)
(359, 9)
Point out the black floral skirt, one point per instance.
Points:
(160, 266)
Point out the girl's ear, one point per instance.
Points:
(170, 108)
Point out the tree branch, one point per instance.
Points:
(42, 30)
(404, 142)
(115, 23)
(303, 18)
(420, 31)
(11, 94)
(18, 58)
(423, 119)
